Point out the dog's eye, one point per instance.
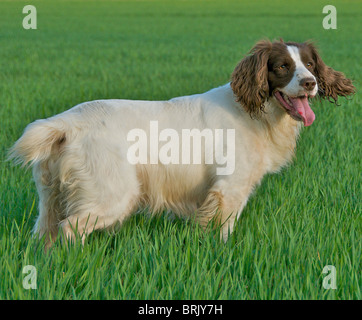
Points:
(282, 67)
(309, 64)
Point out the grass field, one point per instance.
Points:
(298, 221)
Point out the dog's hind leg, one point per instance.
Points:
(99, 216)
(101, 190)
(49, 211)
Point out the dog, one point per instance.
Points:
(87, 180)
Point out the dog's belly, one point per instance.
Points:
(179, 188)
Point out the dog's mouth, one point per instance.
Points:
(297, 107)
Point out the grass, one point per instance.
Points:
(298, 221)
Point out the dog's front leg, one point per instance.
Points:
(222, 206)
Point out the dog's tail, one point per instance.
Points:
(39, 140)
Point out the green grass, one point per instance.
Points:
(298, 221)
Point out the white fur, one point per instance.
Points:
(85, 181)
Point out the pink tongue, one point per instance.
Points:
(301, 105)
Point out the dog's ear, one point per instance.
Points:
(249, 81)
(331, 83)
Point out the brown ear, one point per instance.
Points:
(331, 83)
(249, 81)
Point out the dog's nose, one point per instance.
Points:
(308, 83)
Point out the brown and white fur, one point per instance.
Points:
(85, 181)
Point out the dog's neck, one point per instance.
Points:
(277, 132)
(280, 134)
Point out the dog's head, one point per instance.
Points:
(289, 72)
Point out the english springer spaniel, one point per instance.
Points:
(87, 162)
